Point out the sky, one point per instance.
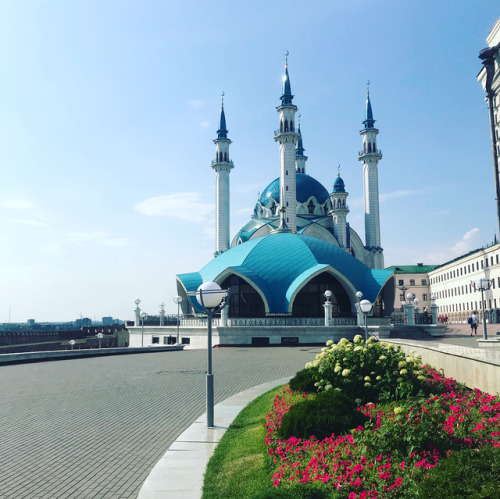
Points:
(108, 110)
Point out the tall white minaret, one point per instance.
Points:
(287, 139)
(222, 166)
(370, 156)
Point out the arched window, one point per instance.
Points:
(291, 125)
(369, 147)
(225, 156)
(334, 204)
(310, 207)
(286, 125)
(244, 300)
(281, 125)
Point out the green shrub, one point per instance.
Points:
(466, 473)
(369, 371)
(329, 412)
(304, 381)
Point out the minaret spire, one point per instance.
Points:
(369, 157)
(287, 139)
(222, 166)
(339, 212)
(300, 159)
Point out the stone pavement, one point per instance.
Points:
(95, 427)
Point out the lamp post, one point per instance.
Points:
(137, 312)
(143, 316)
(365, 307)
(178, 300)
(72, 343)
(483, 284)
(100, 336)
(434, 308)
(212, 299)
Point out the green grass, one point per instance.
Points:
(240, 464)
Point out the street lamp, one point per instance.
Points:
(365, 307)
(143, 316)
(328, 307)
(483, 284)
(100, 336)
(212, 299)
(162, 313)
(178, 300)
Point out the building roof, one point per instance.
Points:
(306, 186)
(279, 264)
(412, 269)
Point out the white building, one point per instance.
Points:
(453, 285)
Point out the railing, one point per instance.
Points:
(398, 319)
(270, 321)
(214, 161)
(374, 151)
(423, 318)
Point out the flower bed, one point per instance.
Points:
(416, 419)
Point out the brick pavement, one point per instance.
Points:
(94, 428)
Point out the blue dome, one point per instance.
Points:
(306, 187)
(279, 264)
(338, 185)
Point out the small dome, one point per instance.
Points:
(307, 186)
(338, 185)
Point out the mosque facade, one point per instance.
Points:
(298, 242)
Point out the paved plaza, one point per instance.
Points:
(95, 427)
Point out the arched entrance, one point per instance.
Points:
(244, 301)
(310, 299)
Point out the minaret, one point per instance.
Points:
(287, 139)
(300, 159)
(340, 211)
(370, 156)
(222, 166)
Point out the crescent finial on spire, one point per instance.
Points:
(222, 98)
(286, 57)
(368, 88)
(338, 171)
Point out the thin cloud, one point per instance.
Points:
(16, 204)
(205, 124)
(98, 237)
(186, 206)
(470, 241)
(32, 222)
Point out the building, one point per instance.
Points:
(452, 283)
(298, 243)
(412, 279)
(489, 77)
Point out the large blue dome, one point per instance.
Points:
(307, 186)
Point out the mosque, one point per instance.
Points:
(298, 242)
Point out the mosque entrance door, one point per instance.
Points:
(310, 299)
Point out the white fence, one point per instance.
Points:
(270, 321)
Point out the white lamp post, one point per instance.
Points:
(100, 336)
(365, 307)
(143, 316)
(483, 284)
(72, 343)
(162, 313)
(178, 300)
(213, 299)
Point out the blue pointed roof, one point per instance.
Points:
(306, 186)
(279, 264)
(369, 121)
(222, 131)
(286, 98)
(300, 147)
(338, 185)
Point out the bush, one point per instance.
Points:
(329, 412)
(466, 473)
(304, 381)
(370, 371)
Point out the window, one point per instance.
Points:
(424, 282)
(496, 258)
(412, 282)
(401, 297)
(424, 297)
(401, 282)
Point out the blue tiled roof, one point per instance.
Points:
(307, 186)
(279, 264)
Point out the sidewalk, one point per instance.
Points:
(179, 473)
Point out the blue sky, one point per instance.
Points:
(108, 110)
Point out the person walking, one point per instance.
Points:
(473, 323)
